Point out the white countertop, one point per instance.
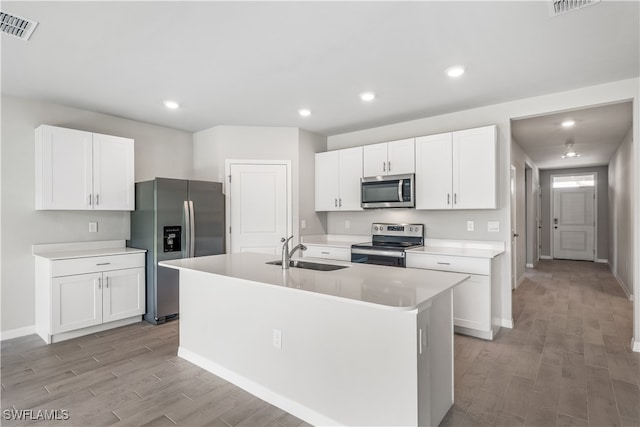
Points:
(463, 248)
(58, 251)
(386, 287)
(462, 252)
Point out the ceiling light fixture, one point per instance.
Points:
(304, 112)
(570, 152)
(568, 123)
(455, 71)
(172, 105)
(368, 96)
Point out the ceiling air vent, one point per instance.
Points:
(559, 7)
(16, 26)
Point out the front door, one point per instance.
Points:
(573, 223)
(258, 207)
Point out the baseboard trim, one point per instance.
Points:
(602, 261)
(258, 390)
(635, 346)
(545, 257)
(17, 333)
(621, 284)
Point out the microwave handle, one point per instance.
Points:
(400, 181)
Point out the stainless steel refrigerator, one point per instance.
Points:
(174, 219)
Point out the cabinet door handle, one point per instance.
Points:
(384, 166)
(389, 166)
(325, 253)
(89, 199)
(335, 203)
(455, 198)
(340, 202)
(103, 263)
(97, 199)
(106, 281)
(99, 282)
(444, 263)
(448, 199)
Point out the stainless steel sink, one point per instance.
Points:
(310, 265)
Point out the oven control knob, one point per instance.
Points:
(375, 228)
(410, 228)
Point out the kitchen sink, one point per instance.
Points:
(310, 265)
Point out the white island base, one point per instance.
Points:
(326, 359)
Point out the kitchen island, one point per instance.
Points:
(363, 345)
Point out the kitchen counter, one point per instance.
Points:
(379, 338)
(462, 252)
(59, 251)
(335, 240)
(386, 287)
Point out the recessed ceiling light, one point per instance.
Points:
(171, 104)
(304, 112)
(368, 96)
(568, 123)
(455, 71)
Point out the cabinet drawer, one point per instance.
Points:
(449, 263)
(328, 252)
(68, 267)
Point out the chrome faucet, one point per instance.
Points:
(286, 254)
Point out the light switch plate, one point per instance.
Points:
(93, 226)
(493, 226)
(303, 224)
(470, 225)
(347, 224)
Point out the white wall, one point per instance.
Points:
(621, 253)
(448, 224)
(602, 207)
(158, 150)
(310, 144)
(212, 147)
(525, 213)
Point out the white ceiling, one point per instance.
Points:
(257, 63)
(597, 133)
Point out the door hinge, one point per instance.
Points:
(229, 178)
(229, 230)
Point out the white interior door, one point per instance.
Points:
(514, 235)
(574, 223)
(258, 207)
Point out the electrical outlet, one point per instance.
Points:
(347, 224)
(470, 225)
(303, 224)
(493, 226)
(93, 226)
(277, 339)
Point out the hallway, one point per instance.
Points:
(567, 362)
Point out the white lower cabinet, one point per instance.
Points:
(79, 296)
(327, 252)
(472, 299)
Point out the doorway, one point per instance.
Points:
(573, 220)
(258, 205)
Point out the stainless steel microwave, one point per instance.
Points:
(390, 191)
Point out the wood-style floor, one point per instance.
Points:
(567, 362)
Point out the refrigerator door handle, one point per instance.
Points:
(187, 226)
(192, 236)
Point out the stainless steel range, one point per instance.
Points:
(388, 244)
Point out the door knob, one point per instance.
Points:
(515, 235)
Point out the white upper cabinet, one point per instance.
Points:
(77, 170)
(113, 173)
(337, 180)
(434, 170)
(389, 158)
(457, 170)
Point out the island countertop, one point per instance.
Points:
(390, 288)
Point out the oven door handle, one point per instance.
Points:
(393, 254)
